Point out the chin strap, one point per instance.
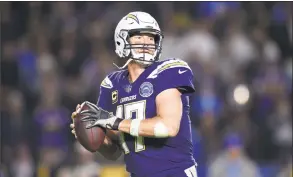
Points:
(122, 67)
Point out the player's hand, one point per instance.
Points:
(99, 117)
(73, 116)
(73, 130)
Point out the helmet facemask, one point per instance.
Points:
(129, 50)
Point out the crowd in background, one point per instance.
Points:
(54, 55)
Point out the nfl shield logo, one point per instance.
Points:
(127, 88)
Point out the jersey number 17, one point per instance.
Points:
(139, 109)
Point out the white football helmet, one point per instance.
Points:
(137, 23)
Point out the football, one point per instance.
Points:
(92, 138)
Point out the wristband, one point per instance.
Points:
(134, 127)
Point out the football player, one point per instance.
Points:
(148, 103)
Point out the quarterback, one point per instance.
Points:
(146, 104)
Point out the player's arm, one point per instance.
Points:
(165, 124)
(110, 149)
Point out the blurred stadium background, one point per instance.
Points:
(55, 54)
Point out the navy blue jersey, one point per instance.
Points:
(145, 156)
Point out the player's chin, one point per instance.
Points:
(144, 63)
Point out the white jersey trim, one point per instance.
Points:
(107, 83)
(174, 63)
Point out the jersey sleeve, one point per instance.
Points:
(104, 100)
(173, 73)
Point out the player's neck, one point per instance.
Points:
(135, 71)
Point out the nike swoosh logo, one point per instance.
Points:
(181, 72)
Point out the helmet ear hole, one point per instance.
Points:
(118, 43)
